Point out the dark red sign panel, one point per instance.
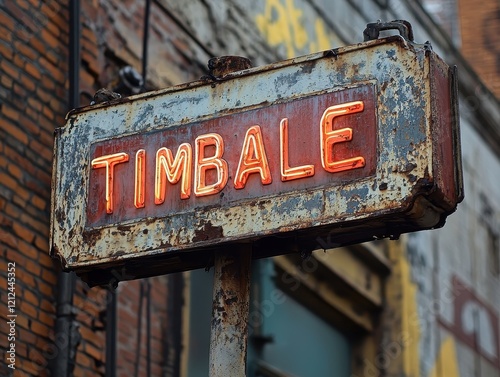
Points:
(291, 146)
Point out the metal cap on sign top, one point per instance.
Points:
(373, 29)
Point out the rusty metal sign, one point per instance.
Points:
(324, 150)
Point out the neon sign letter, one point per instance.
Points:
(204, 163)
(109, 163)
(330, 137)
(252, 159)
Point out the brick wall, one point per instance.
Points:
(480, 28)
(33, 101)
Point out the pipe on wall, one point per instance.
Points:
(67, 336)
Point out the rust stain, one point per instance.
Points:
(208, 232)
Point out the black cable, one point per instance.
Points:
(148, 328)
(139, 332)
(147, 286)
(110, 369)
(145, 38)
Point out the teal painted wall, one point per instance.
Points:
(303, 345)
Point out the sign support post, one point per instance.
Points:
(230, 309)
(231, 290)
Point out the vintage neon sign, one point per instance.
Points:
(208, 172)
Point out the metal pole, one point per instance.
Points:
(231, 292)
(231, 301)
(110, 369)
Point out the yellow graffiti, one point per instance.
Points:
(410, 326)
(282, 23)
(446, 361)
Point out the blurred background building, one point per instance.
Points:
(427, 304)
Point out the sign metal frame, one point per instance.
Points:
(415, 182)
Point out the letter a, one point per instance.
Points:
(253, 159)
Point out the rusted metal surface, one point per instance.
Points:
(231, 300)
(224, 65)
(404, 152)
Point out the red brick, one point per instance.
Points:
(29, 125)
(91, 337)
(8, 239)
(46, 124)
(44, 96)
(22, 321)
(11, 210)
(28, 82)
(47, 139)
(56, 16)
(47, 306)
(44, 177)
(6, 81)
(40, 227)
(32, 211)
(34, 186)
(33, 268)
(30, 297)
(8, 181)
(26, 277)
(89, 34)
(39, 328)
(25, 234)
(41, 149)
(87, 79)
(56, 73)
(28, 250)
(22, 193)
(49, 38)
(21, 349)
(3, 162)
(8, 69)
(49, 276)
(6, 51)
(53, 28)
(35, 3)
(18, 61)
(6, 20)
(21, 17)
(16, 256)
(28, 310)
(15, 171)
(47, 111)
(23, 4)
(93, 351)
(31, 69)
(45, 289)
(38, 45)
(90, 59)
(21, 92)
(10, 112)
(25, 50)
(84, 360)
(15, 157)
(47, 319)
(34, 103)
(42, 244)
(12, 130)
(47, 83)
(39, 202)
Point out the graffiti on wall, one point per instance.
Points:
(282, 24)
(475, 323)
